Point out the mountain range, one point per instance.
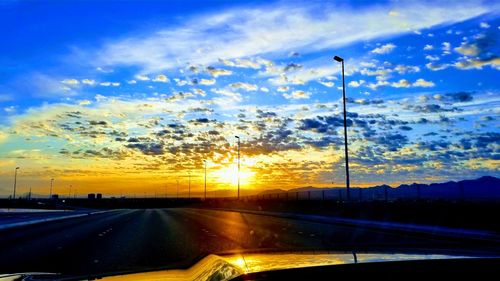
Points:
(484, 188)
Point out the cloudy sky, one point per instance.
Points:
(128, 98)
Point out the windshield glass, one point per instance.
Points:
(150, 135)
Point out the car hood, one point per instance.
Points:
(227, 267)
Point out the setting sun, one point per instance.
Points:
(229, 175)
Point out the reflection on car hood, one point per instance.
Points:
(227, 267)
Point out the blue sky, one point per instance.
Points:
(128, 90)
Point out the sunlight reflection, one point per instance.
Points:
(227, 267)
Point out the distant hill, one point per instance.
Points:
(484, 188)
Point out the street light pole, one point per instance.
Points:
(51, 182)
(177, 189)
(205, 161)
(341, 60)
(189, 185)
(238, 166)
(15, 182)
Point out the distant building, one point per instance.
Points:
(54, 197)
(91, 196)
(99, 196)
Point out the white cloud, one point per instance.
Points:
(467, 49)
(243, 63)
(142, 77)
(161, 78)
(245, 86)
(284, 79)
(446, 47)
(218, 72)
(423, 83)
(374, 86)
(470, 63)
(283, 89)
(432, 58)
(356, 84)
(88, 81)
(228, 94)
(295, 95)
(207, 82)
(402, 69)
(428, 47)
(200, 92)
(484, 25)
(436, 66)
(10, 109)
(384, 49)
(84, 102)
(181, 82)
(242, 33)
(70, 82)
(107, 84)
(42, 85)
(100, 69)
(328, 84)
(403, 83)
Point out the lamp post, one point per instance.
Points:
(341, 60)
(238, 166)
(51, 183)
(15, 182)
(205, 161)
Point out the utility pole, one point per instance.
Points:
(15, 182)
(189, 185)
(51, 183)
(205, 179)
(238, 166)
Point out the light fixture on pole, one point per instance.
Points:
(341, 60)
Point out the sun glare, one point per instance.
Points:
(229, 175)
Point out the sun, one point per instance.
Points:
(229, 175)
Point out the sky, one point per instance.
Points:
(130, 97)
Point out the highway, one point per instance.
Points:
(127, 240)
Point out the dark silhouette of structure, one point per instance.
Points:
(238, 166)
(341, 60)
(15, 182)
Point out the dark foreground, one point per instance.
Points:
(144, 239)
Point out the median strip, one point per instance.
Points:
(37, 221)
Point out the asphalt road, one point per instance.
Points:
(127, 240)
